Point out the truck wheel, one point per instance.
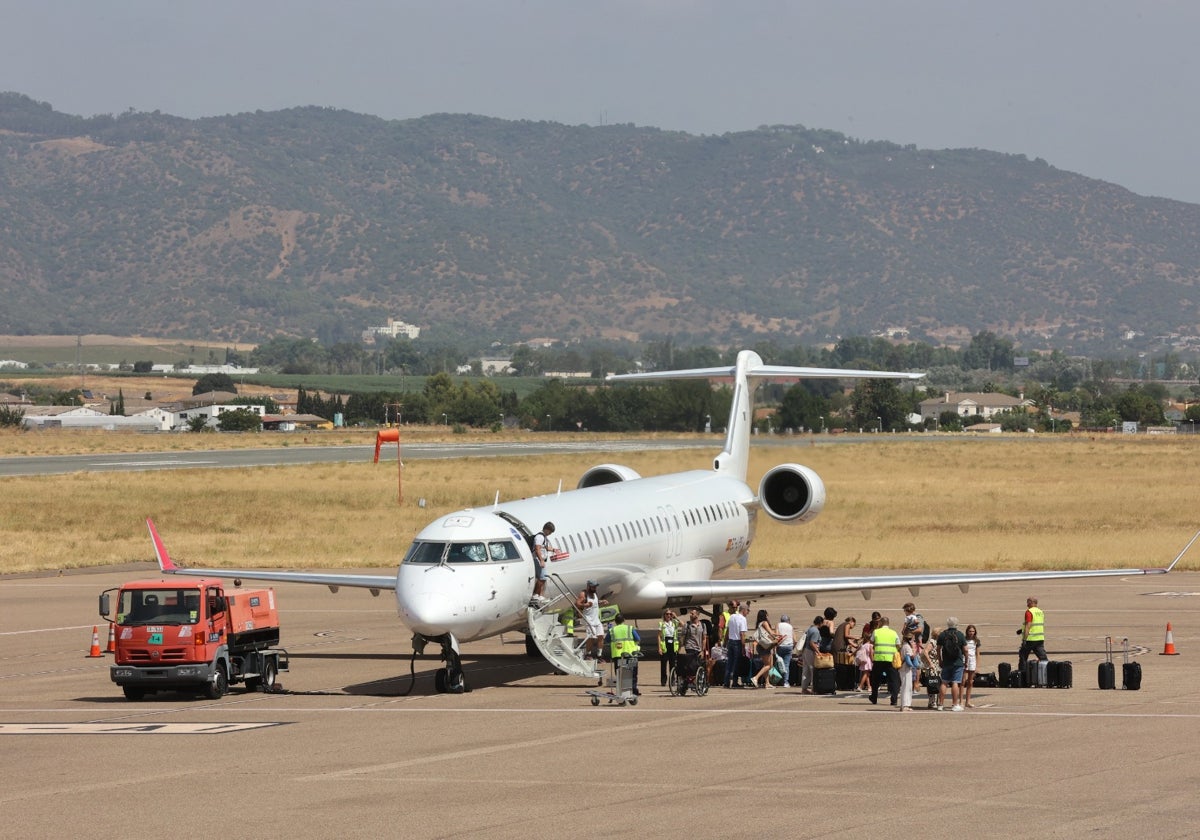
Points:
(269, 673)
(216, 689)
(132, 693)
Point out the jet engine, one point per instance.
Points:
(791, 493)
(606, 474)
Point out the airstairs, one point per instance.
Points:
(562, 650)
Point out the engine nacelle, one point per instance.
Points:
(606, 474)
(791, 493)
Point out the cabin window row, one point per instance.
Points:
(647, 527)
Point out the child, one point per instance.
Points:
(863, 660)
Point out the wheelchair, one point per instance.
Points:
(678, 684)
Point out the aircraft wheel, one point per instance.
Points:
(531, 648)
(441, 680)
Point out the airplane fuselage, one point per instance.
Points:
(471, 573)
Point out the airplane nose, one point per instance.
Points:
(425, 612)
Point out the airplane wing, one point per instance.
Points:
(713, 591)
(375, 583)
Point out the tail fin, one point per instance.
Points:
(165, 564)
(734, 459)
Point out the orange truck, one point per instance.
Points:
(193, 636)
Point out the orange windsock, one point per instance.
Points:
(1169, 645)
(112, 638)
(94, 653)
(384, 436)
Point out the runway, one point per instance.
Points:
(525, 754)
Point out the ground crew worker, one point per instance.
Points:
(624, 640)
(1032, 633)
(887, 644)
(668, 644)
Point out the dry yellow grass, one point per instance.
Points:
(1014, 503)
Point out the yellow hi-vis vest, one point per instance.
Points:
(724, 626)
(623, 641)
(662, 636)
(1036, 631)
(886, 642)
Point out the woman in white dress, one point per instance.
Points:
(971, 666)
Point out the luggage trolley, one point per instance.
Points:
(620, 685)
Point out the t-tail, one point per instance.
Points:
(734, 459)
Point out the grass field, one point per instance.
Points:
(961, 503)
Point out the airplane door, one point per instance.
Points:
(674, 532)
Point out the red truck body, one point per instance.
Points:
(193, 635)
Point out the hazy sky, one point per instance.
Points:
(1102, 88)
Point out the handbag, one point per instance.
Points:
(766, 639)
(896, 660)
(823, 660)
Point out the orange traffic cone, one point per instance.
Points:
(112, 638)
(1169, 646)
(94, 653)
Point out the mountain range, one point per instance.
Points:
(320, 222)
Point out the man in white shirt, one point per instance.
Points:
(787, 643)
(734, 630)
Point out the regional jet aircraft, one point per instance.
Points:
(648, 542)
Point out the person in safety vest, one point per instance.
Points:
(621, 639)
(668, 643)
(1032, 633)
(886, 643)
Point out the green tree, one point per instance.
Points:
(214, 382)
(239, 420)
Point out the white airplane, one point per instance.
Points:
(648, 542)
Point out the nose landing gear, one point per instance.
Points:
(450, 679)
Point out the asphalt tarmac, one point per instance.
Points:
(524, 754)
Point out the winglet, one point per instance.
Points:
(1179, 556)
(165, 564)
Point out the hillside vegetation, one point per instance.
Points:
(318, 222)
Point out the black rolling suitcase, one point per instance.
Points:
(794, 672)
(845, 676)
(1059, 674)
(1105, 673)
(1131, 672)
(1016, 678)
(825, 681)
(1002, 672)
(718, 672)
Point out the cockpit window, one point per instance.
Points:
(461, 552)
(503, 550)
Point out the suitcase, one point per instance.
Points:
(1003, 670)
(845, 676)
(1106, 674)
(825, 681)
(794, 672)
(1059, 674)
(1131, 672)
(1035, 673)
(988, 680)
(1016, 678)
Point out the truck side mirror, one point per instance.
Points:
(218, 604)
(105, 605)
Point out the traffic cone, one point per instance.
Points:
(112, 638)
(94, 653)
(1169, 645)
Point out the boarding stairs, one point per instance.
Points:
(561, 650)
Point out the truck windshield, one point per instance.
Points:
(462, 552)
(158, 606)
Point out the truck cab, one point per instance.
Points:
(193, 636)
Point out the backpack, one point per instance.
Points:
(950, 644)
